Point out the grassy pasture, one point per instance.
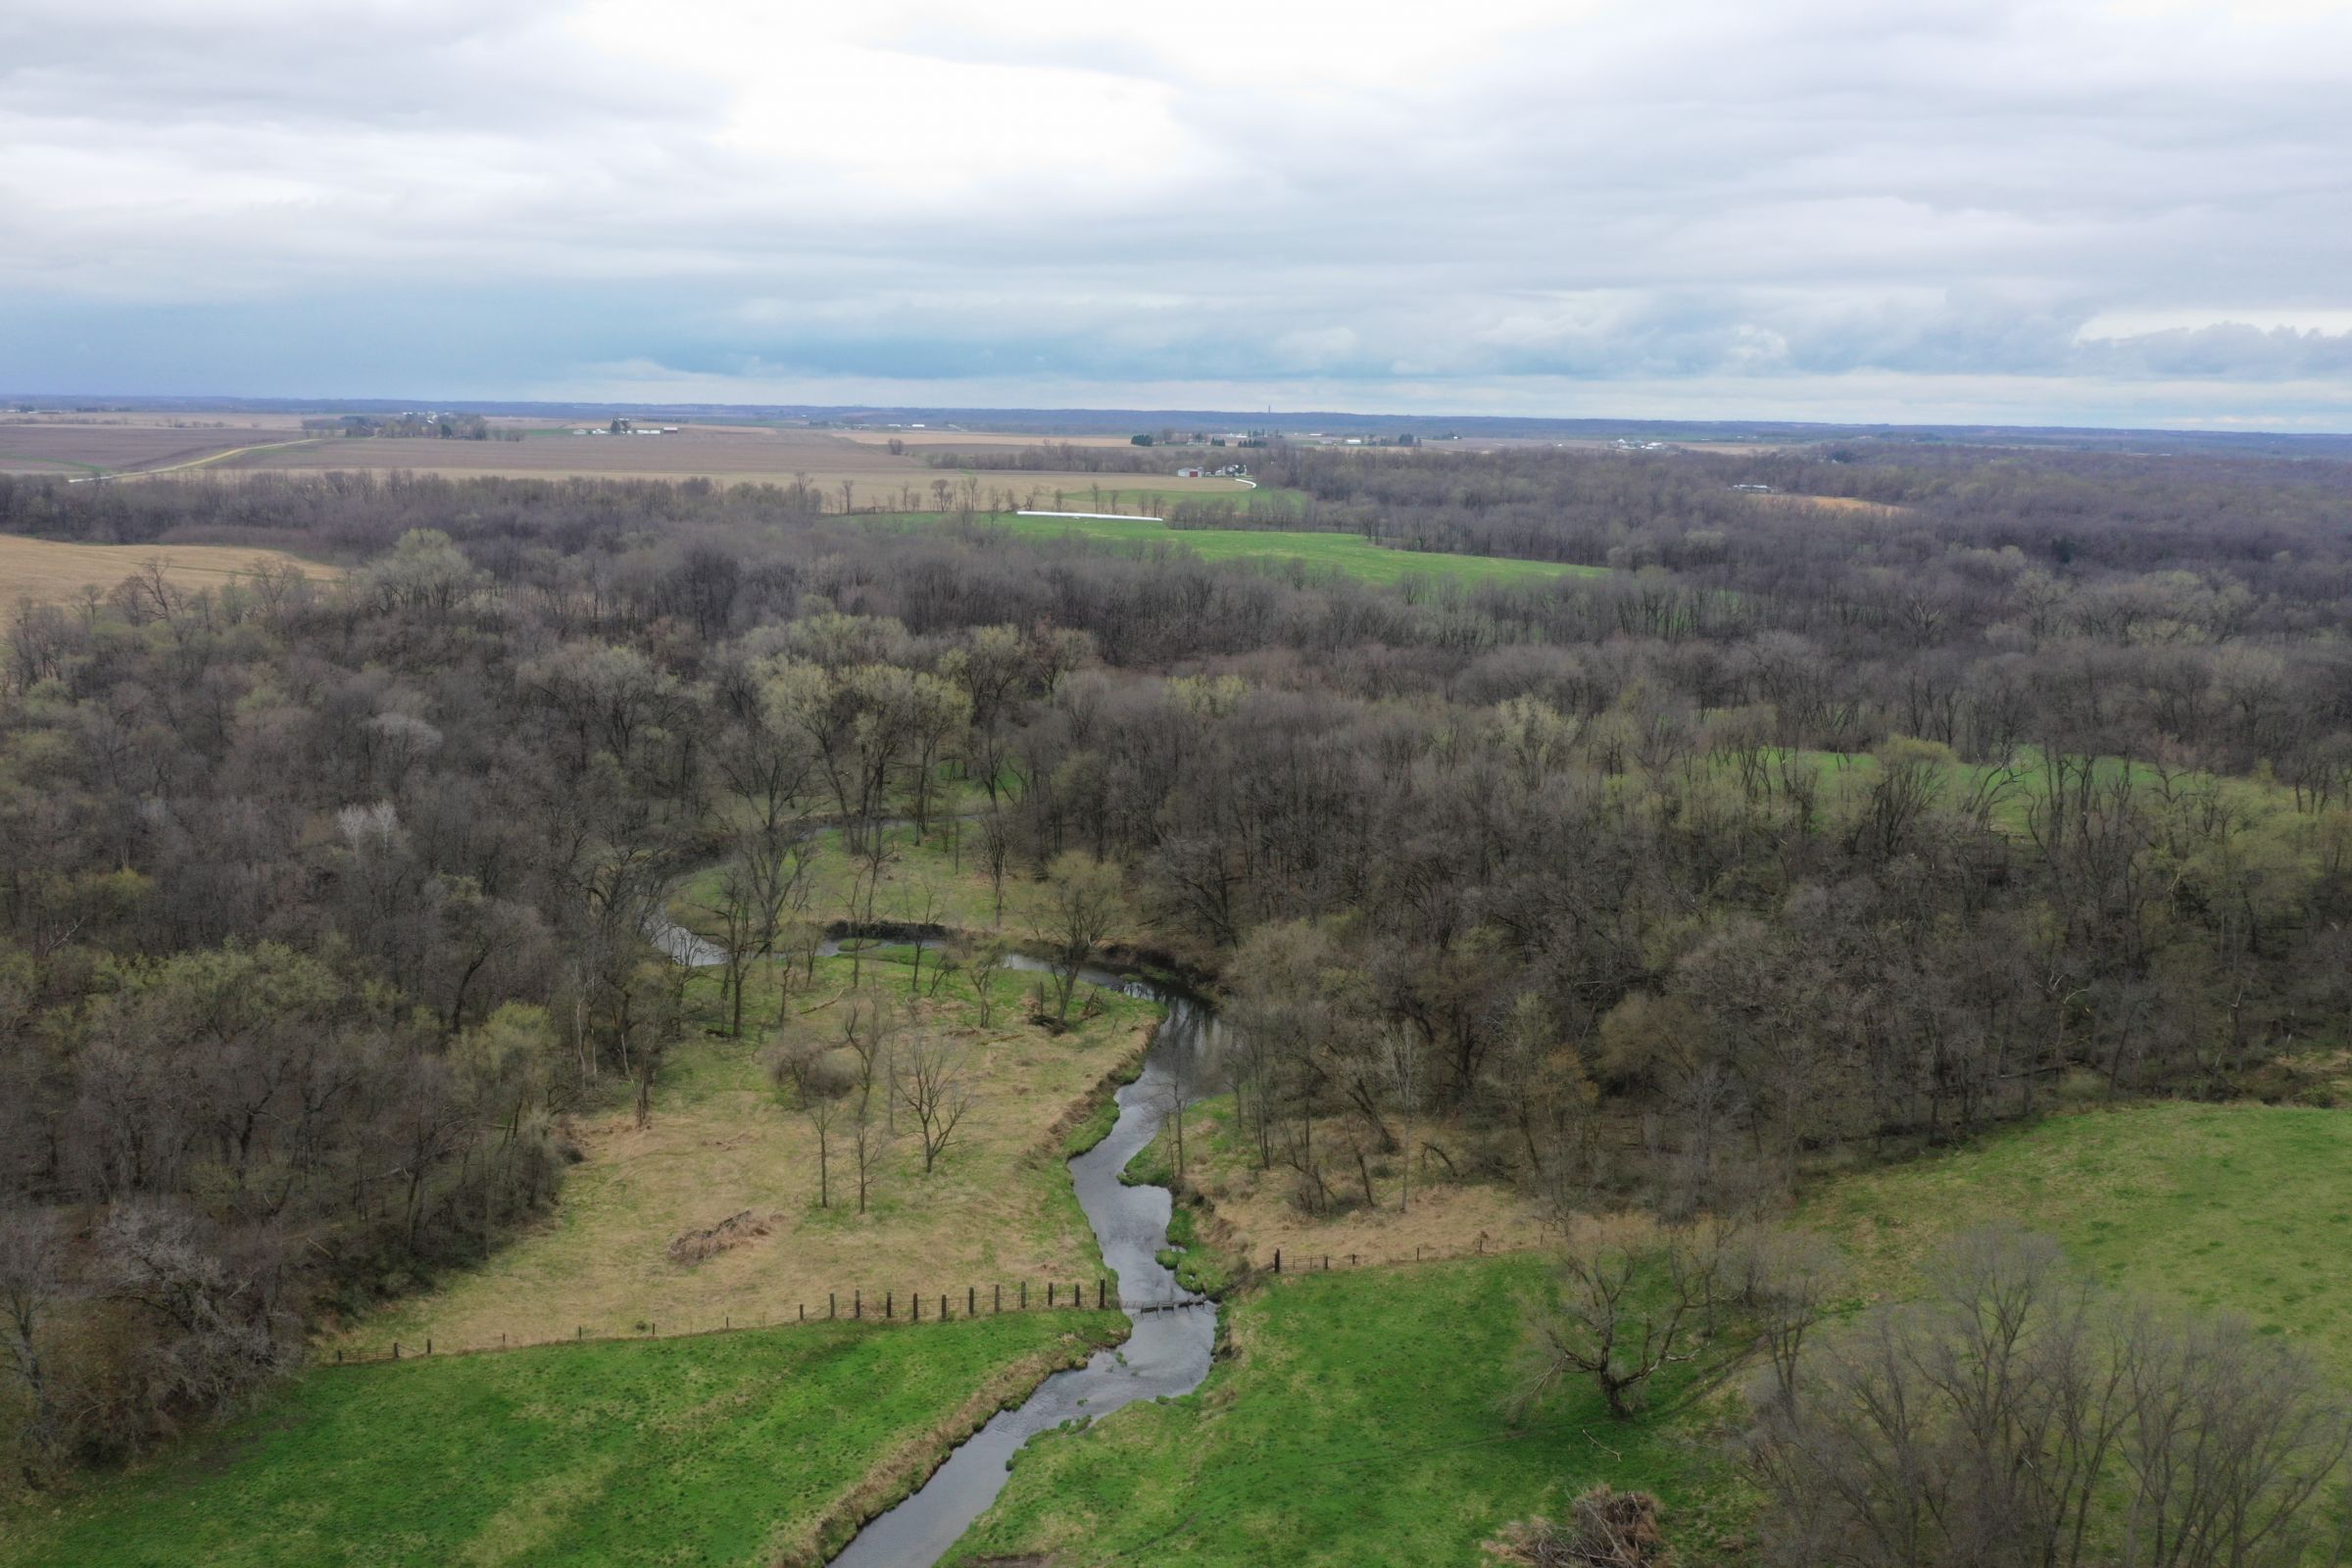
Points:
(1341, 554)
(998, 1207)
(48, 571)
(2237, 1208)
(746, 1448)
(1357, 1424)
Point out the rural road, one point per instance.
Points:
(196, 462)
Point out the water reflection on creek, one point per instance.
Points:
(1168, 1351)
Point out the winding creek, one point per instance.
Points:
(1173, 1331)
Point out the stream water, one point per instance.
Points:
(1167, 1351)
(1172, 1329)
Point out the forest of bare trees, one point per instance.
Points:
(1807, 829)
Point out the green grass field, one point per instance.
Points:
(733, 1448)
(1359, 1424)
(1341, 554)
(2241, 1208)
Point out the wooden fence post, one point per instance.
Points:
(943, 1306)
(890, 1304)
(395, 1350)
(918, 1306)
(971, 1301)
(1024, 1296)
(857, 1303)
(1100, 1284)
(1048, 1293)
(1000, 1292)
(1278, 1261)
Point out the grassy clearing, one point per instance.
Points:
(1415, 1213)
(939, 880)
(1358, 1424)
(1342, 553)
(742, 1449)
(998, 1208)
(2239, 1208)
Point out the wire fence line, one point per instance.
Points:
(895, 1307)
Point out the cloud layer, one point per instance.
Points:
(2038, 209)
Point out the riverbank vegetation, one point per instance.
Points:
(1325, 1436)
(764, 1446)
(1802, 839)
(1358, 1419)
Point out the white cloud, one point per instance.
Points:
(1517, 199)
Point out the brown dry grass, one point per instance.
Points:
(1876, 509)
(998, 1208)
(48, 571)
(1441, 1216)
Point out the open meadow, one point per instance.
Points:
(722, 1141)
(1343, 555)
(750, 1449)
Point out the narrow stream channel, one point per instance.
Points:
(1169, 1350)
(1173, 1331)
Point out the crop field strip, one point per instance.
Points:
(49, 572)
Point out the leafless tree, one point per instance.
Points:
(1622, 1313)
(927, 1076)
(31, 1287)
(2018, 1416)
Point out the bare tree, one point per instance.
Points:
(928, 1078)
(2017, 1415)
(820, 1090)
(31, 1287)
(1623, 1312)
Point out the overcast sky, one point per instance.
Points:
(2128, 212)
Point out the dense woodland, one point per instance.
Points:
(1811, 831)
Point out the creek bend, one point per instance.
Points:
(1173, 1331)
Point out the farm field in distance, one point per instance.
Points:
(723, 454)
(757, 1447)
(54, 447)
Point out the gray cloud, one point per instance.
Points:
(1935, 202)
